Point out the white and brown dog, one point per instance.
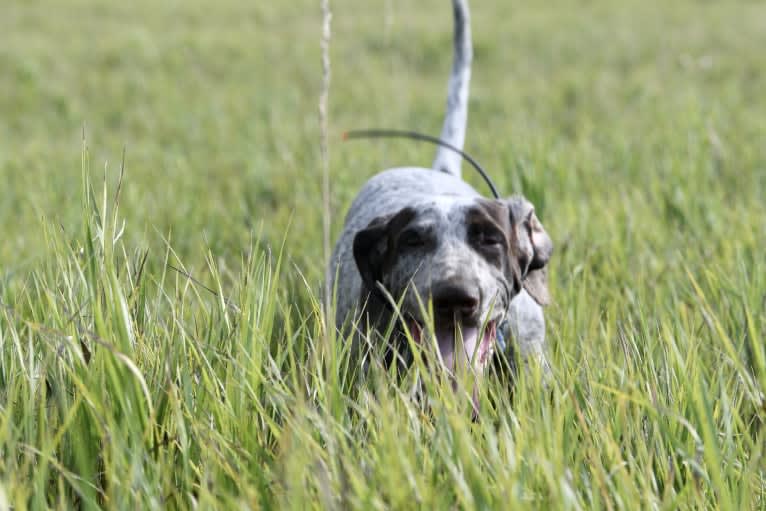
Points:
(417, 240)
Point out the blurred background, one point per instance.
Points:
(613, 117)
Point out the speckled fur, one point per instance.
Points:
(441, 198)
(441, 201)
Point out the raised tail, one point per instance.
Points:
(453, 131)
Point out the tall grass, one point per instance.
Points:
(122, 388)
(162, 343)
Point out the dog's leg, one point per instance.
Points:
(453, 131)
(528, 330)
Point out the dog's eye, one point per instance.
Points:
(488, 238)
(491, 238)
(412, 238)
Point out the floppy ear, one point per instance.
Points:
(536, 284)
(541, 242)
(373, 244)
(536, 248)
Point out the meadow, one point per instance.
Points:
(161, 337)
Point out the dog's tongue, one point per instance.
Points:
(445, 336)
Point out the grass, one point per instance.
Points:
(636, 128)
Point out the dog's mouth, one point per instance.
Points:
(460, 344)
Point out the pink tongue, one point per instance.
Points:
(445, 336)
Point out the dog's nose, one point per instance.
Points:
(455, 299)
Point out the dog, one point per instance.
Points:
(420, 243)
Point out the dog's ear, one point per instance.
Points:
(373, 245)
(535, 246)
(536, 284)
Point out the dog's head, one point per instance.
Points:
(464, 257)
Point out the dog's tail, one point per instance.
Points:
(453, 131)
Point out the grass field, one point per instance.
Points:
(637, 128)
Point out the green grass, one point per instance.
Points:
(637, 128)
